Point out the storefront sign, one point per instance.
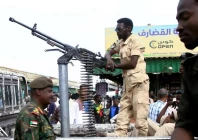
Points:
(159, 41)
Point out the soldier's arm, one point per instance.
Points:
(29, 127)
(110, 65)
(110, 53)
(113, 50)
(135, 51)
(128, 64)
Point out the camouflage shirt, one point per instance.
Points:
(32, 124)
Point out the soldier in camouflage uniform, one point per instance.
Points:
(32, 122)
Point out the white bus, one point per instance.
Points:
(13, 89)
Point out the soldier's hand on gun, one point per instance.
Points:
(110, 65)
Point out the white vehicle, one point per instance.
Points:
(13, 89)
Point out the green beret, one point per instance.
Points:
(41, 82)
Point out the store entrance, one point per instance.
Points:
(171, 82)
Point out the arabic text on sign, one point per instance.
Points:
(158, 33)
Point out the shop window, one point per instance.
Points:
(8, 97)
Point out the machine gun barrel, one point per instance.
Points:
(43, 36)
(70, 50)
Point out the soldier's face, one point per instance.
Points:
(122, 31)
(46, 96)
(187, 16)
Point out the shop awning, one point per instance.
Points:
(153, 65)
(160, 65)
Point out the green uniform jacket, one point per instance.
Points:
(32, 124)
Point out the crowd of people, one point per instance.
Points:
(161, 118)
(163, 112)
(105, 108)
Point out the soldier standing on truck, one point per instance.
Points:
(135, 98)
(32, 122)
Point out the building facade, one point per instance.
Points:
(162, 51)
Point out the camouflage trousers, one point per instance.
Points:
(134, 104)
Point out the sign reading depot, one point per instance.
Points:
(159, 41)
